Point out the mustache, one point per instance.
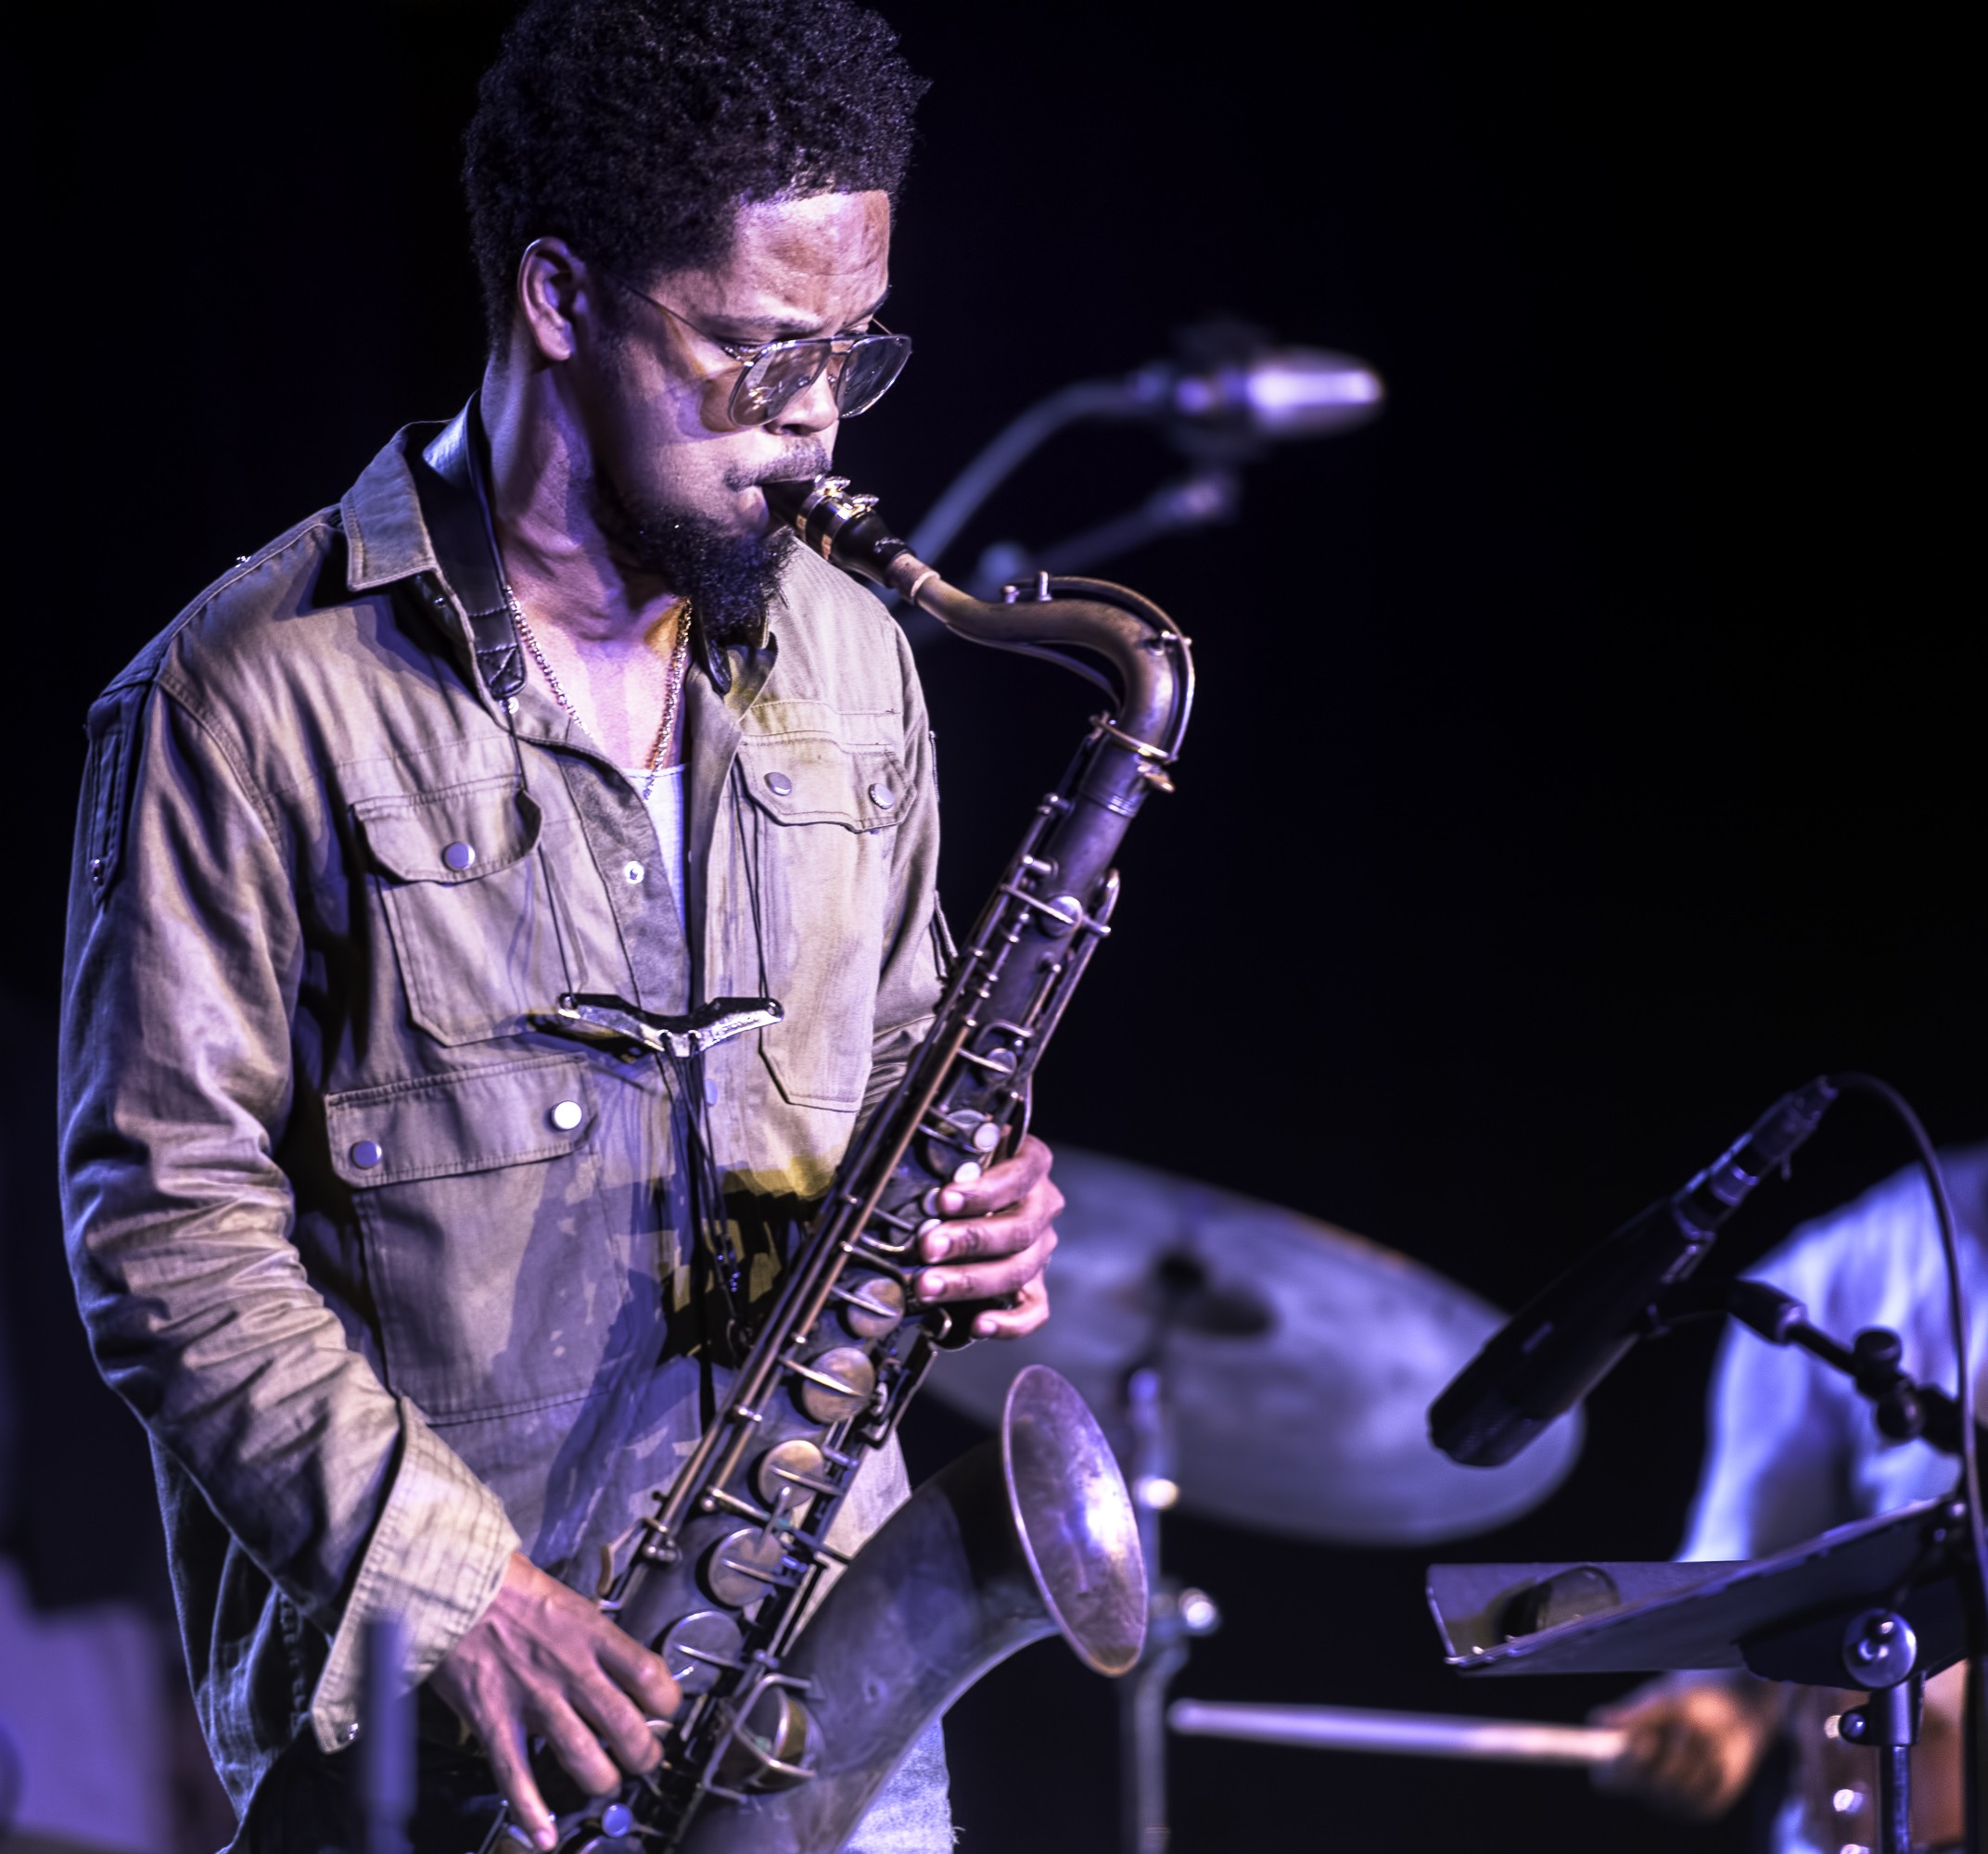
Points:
(807, 461)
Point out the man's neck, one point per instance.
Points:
(560, 565)
(607, 629)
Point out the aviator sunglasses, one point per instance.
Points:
(776, 373)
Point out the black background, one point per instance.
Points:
(1587, 751)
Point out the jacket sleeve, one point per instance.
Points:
(184, 959)
(912, 979)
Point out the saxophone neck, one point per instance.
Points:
(1152, 674)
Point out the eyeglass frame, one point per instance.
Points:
(750, 353)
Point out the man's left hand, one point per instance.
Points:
(997, 1241)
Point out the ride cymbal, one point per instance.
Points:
(1299, 1361)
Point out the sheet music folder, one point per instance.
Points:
(1783, 1616)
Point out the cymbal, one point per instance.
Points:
(1299, 1361)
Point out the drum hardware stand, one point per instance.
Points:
(1174, 1615)
(1905, 1410)
(1889, 1722)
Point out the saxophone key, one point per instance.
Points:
(834, 1385)
(999, 1060)
(774, 1743)
(699, 1648)
(968, 1174)
(745, 1565)
(786, 1475)
(967, 1133)
(873, 1308)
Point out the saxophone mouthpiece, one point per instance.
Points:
(845, 530)
(783, 499)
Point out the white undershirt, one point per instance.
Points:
(666, 809)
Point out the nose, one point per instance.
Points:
(814, 410)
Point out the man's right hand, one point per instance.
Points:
(1694, 1741)
(543, 1662)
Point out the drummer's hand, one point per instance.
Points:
(1694, 1741)
(997, 1241)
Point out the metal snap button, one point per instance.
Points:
(883, 795)
(634, 872)
(458, 856)
(366, 1154)
(568, 1115)
(779, 784)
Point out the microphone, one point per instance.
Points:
(1572, 1334)
(1276, 393)
(1227, 392)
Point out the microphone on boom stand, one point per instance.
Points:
(1572, 1334)
(1227, 395)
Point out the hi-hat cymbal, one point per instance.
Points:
(1299, 1361)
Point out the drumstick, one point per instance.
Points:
(1412, 1735)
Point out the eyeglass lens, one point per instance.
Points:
(780, 374)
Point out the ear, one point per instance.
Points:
(553, 290)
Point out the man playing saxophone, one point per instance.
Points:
(419, 1297)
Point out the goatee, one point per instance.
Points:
(728, 579)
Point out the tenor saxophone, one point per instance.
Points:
(795, 1714)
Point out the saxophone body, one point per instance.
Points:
(797, 1712)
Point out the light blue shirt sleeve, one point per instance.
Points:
(1791, 1448)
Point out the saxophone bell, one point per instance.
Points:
(1031, 1534)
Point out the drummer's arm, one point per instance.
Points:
(1694, 1740)
(1772, 1468)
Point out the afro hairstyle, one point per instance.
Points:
(634, 129)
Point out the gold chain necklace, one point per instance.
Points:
(666, 729)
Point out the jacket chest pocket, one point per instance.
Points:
(466, 904)
(825, 864)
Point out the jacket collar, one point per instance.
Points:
(444, 528)
(386, 539)
(456, 503)
(449, 480)
(422, 506)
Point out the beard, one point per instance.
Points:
(730, 578)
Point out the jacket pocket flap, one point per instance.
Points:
(112, 732)
(453, 835)
(512, 1113)
(806, 779)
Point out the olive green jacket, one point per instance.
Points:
(392, 1273)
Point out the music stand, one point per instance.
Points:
(1876, 1605)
